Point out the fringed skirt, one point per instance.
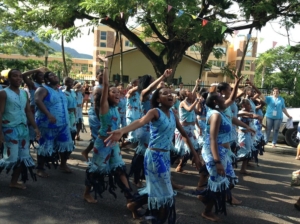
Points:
(245, 145)
(55, 140)
(180, 146)
(158, 179)
(105, 158)
(16, 148)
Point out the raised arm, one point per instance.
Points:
(31, 120)
(27, 80)
(131, 92)
(258, 93)
(117, 134)
(187, 107)
(196, 86)
(154, 84)
(233, 94)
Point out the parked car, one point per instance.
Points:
(289, 135)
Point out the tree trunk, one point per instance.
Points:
(121, 57)
(63, 55)
(206, 49)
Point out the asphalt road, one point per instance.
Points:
(267, 195)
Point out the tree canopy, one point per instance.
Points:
(173, 32)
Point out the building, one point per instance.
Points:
(82, 69)
(104, 41)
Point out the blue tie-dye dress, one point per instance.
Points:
(157, 162)
(133, 112)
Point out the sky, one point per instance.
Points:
(270, 33)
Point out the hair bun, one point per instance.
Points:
(212, 89)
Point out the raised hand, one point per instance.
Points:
(167, 72)
(198, 81)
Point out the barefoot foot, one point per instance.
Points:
(177, 186)
(42, 174)
(65, 169)
(244, 172)
(89, 199)
(210, 216)
(235, 201)
(17, 185)
(132, 206)
(180, 170)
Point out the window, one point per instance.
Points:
(221, 48)
(125, 78)
(220, 64)
(90, 65)
(249, 49)
(102, 35)
(129, 44)
(102, 44)
(247, 65)
(84, 68)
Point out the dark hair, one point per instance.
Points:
(274, 88)
(243, 102)
(204, 95)
(46, 76)
(211, 97)
(144, 82)
(182, 94)
(222, 86)
(155, 97)
(110, 86)
(11, 72)
(246, 89)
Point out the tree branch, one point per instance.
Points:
(154, 28)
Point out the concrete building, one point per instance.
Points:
(104, 40)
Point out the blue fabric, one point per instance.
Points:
(274, 104)
(55, 140)
(32, 92)
(105, 158)
(133, 112)
(225, 128)
(187, 116)
(14, 113)
(234, 111)
(275, 125)
(122, 111)
(158, 179)
(15, 131)
(56, 104)
(71, 104)
(181, 147)
(94, 122)
(79, 100)
(109, 121)
(162, 131)
(245, 145)
(143, 133)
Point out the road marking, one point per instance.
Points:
(243, 207)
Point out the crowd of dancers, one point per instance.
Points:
(215, 128)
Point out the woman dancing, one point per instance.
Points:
(14, 134)
(157, 157)
(79, 117)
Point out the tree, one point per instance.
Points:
(172, 34)
(280, 67)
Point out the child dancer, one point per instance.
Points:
(107, 160)
(187, 119)
(157, 157)
(14, 134)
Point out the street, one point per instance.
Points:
(267, 195)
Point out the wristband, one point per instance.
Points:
(217, 161)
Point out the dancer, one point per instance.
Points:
(146, 86)
(71, 104)
(87, 93)
(157, 157)
(36, 81)
(94, 121)
(215, 155)
(107, 159)
(14, 134)
(122, 106)
(53, 121)
(79, 116)
(245, 138)
(133, 110)
(187, 119)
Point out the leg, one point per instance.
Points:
(14, 179)
(63, 163)
(298, 152)
(40, 167)
(243, 168)
(270, 124)
(277, 124)
(85, 153)
(208, 214)
(297, 205)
